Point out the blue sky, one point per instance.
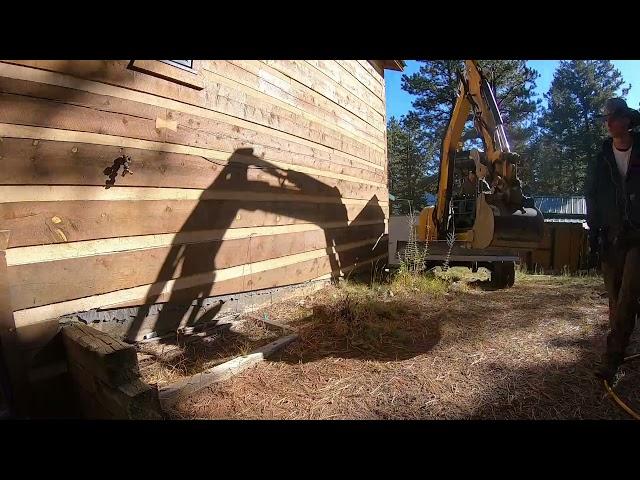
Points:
(399, 101)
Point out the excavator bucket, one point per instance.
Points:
(519, 230)
(493, 228)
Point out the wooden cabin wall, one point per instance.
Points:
(255, 175)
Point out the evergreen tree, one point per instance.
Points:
(408, 156)
(436, 85)
(571, 135)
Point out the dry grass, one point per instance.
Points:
(440, 347)
(162, 363)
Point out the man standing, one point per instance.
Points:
(612, 194)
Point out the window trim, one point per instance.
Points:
(173, 72)
(173, 63)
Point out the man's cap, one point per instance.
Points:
(618, 107)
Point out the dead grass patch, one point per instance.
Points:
(432, 348)
(162, 363)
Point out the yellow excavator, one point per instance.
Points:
(485, 221)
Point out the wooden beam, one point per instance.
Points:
(38, 223)
(62, 251)
(62, 163)
(171, 394)
(43, 133)
(105, 376)
(55, 193)
(270, 273)
(38, 284)
(105, 357)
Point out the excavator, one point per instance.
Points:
(488, 221)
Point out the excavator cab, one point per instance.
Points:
(465, 192)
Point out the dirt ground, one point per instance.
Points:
(441, 348)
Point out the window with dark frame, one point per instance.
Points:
(184, 72)
(180, 63)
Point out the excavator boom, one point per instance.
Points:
(498, 215)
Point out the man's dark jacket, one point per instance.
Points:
(613, 202)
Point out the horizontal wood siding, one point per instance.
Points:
(273, 174)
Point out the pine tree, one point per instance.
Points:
(571, 135)
(436, 85)
(408, 155)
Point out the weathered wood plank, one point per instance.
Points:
(233, 114)
(363, 76)
(264, 113)
(93, 114)
(342, 78)
(288, 93)
(61, 163)
(310, 99)
(106, 358)
(58, 193)
(37, 223)
(372, 71)
(170, 394)
(88, 73)
(326, 265)
(304, 73)
(106, 376)
(37, 284)
(270, 113)
(62, 251)
(271, 273)
(250, 156)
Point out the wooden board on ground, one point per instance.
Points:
(170, 394)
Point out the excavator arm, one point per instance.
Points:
(503, 216)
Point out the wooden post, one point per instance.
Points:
(552, 260)
(11, 361)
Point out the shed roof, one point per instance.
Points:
(562, 207)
